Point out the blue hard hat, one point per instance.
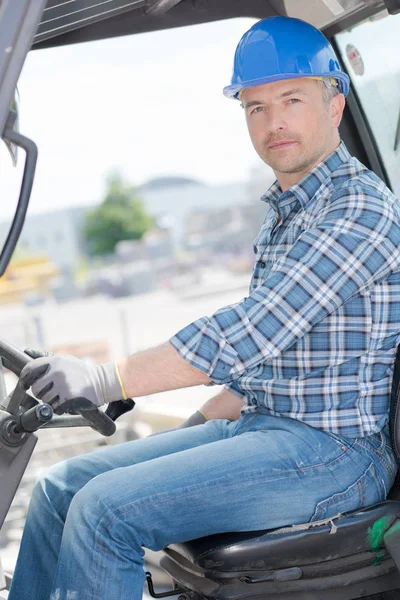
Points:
(280, 48)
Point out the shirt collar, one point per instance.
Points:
(307, 187)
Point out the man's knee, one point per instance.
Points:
(58, 486)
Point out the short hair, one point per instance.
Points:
(329, 91)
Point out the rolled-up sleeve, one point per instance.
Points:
(234, 388)
(352, 245)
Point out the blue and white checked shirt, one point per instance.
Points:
(316, 338)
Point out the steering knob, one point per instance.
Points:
(34, 418)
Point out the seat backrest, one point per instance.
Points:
(394, 415)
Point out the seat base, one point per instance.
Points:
(311, 543)
(360, 583)
(344, 557)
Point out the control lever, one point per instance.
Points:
(118, 408)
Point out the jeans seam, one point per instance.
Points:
(378, 451)
(379, 455)
(120, 512)
(379, 481)
(323, 505)
(112, 517)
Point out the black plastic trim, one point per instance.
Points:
(19, 20)
(393, 6)
(26, 188)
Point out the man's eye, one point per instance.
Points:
(293, 100)
(257, 109)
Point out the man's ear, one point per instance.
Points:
(336, 109)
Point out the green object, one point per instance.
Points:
(121, 216)
(375, 537)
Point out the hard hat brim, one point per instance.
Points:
(232, 91)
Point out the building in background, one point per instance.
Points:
(190, 215)
(177, 197)
(55, 234)
(224, 232)
(58, 234)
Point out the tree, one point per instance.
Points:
(121, 216)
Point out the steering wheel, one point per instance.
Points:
(103, 422)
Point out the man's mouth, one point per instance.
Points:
(280, 145)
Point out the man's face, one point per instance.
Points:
(290, 124)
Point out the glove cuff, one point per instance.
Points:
(111, 387)
(124, 396)
(197, 418)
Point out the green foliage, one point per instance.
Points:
(121, 216)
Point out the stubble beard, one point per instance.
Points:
(293, 164)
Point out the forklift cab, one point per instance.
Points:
(356, 555)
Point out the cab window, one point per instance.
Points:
(371, 55)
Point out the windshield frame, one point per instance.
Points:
(366, 140)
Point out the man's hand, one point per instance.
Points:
(70, 384)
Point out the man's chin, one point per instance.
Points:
(286, 167)
(285, 160)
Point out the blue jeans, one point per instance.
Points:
(91, 516)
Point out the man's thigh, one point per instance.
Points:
(66, 478)
(253, 478)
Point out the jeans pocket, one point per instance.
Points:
(366, 490)
(379, 448)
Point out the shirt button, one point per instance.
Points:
(262, 264)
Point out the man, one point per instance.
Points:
(300, 431)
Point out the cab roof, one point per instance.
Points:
(73, 21)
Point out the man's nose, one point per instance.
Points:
(275, 119)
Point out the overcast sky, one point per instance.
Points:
(148, 105)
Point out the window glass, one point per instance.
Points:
(371, 54)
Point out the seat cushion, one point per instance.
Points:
(297, 545)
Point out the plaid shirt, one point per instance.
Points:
(316, 338)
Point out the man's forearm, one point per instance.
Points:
(158, 369)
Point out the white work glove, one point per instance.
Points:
(69, 384)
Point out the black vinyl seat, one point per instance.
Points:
(359, 546)
(345, 558)
(355, 532)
